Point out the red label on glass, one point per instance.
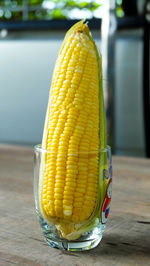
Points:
(106, 203)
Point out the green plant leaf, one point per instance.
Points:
(57, 13)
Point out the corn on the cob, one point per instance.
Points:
(69, 181)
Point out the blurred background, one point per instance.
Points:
(31, 33)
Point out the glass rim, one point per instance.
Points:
(38, 148)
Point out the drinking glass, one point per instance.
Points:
(79, 235)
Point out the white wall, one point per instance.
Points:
(25, 76)
(129, 123)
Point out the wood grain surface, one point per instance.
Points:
(126, 240)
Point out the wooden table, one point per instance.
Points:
(126, 239)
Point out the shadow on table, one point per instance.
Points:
(123, 246)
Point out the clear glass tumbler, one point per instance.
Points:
(66, 233)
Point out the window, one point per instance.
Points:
(29, 10)
(59, 14)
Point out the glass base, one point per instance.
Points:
(74, 245)
(87, 241)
